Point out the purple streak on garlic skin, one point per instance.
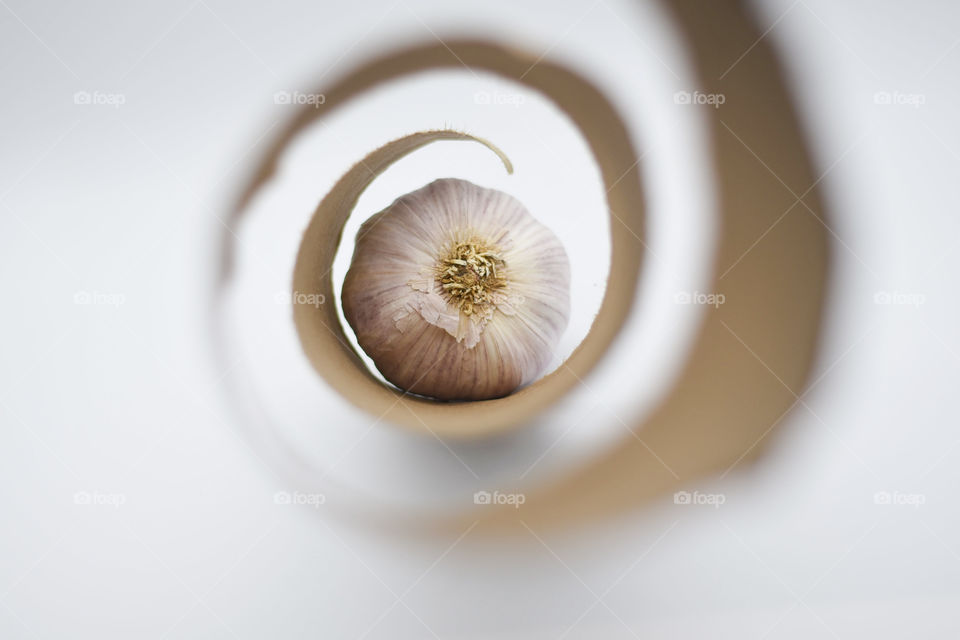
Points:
(421, 324)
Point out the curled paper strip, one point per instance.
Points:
(751, 356)
(319, 328)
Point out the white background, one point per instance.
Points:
(132, 506)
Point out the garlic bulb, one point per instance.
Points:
(456, 292)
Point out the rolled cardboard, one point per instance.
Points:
(752, 356)
(319, 328)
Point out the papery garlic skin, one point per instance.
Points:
(456, 292)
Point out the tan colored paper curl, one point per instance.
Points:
(322, 334)
(751, 357)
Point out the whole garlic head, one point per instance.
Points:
(456, 292)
